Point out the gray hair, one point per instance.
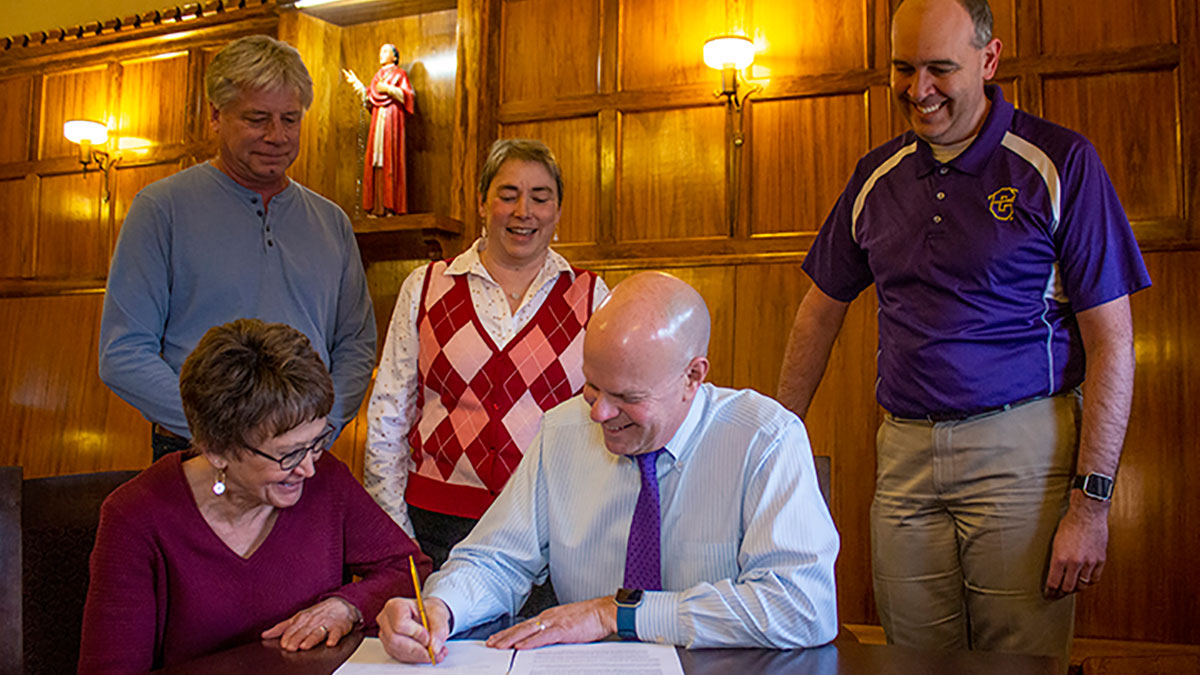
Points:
(522, 149)
(256, 62)
(981, 17)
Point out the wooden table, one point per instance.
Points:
(842, 657)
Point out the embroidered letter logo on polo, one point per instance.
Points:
(1001, 201)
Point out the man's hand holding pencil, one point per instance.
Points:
(414, 630)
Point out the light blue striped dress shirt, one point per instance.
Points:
(748, 545)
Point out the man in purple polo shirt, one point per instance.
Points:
(1001, 256)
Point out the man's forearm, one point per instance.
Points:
(1107, 334)
(814, 329)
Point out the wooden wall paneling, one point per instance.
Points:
(716, 284)
(1189, 124)
(384, 279)
(1005, 27)
(18, 222)
(609, 141)
(431, 131)
(15, 114)
(808, 37)
(58, 417)
(671, 170)
(842, 420)
(70, 94)
(802, 153)
(316, 167)
(574, 142)
(550, 49)
(72, 240)
(610, 42)
(1027, 31)
(1071, 27)
(662, 42)
(766, 301)
(881, 116)
(127, 181)
(477, 96)
(152, 104)
(1155, 510)
(1138, 143)
(207, 136)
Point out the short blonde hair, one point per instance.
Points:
(256, 62)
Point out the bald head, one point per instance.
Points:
(644, 357)
(657, 312)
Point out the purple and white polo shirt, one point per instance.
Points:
(980, 264)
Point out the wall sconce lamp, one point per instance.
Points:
(89, 134)
(729, 54)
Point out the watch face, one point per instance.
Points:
(1099, 486)
(1095, 485)
(629, 596)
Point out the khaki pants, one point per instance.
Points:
(962, 524)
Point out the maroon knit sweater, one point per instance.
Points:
(165, 589)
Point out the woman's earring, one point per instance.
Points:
(218, 487)
(556, 234)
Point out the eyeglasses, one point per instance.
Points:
(292, 459)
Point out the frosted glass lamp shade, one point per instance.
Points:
(728, 50)
(78, 131)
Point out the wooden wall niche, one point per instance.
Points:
(618, 89)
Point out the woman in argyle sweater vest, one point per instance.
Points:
(478, 348)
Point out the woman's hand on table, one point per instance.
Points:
(327, 621)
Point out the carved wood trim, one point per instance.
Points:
(34, 49)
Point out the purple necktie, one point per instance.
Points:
(643, 567)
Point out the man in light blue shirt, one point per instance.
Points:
(747, 543)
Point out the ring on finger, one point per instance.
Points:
(1084, 581)
(541, 626)
(323, 628)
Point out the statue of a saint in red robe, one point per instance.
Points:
(390, 96)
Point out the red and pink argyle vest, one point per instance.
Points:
(481, 406)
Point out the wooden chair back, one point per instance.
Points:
(46, 565)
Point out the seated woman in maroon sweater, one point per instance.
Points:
(257, 535)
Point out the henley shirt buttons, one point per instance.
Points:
(943, 171)
(941, 196)
(937, 219)
(259, 213)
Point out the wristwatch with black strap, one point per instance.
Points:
(1094, 485)
(628, 600)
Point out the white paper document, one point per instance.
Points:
(474, 658)
(469, 657)
(599, 658)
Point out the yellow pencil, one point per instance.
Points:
(421, 606)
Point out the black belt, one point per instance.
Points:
(960, 415)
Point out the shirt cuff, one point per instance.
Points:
(451, 599)
(657, 620)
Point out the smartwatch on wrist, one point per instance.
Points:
(628, 600)
(1094, 485)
